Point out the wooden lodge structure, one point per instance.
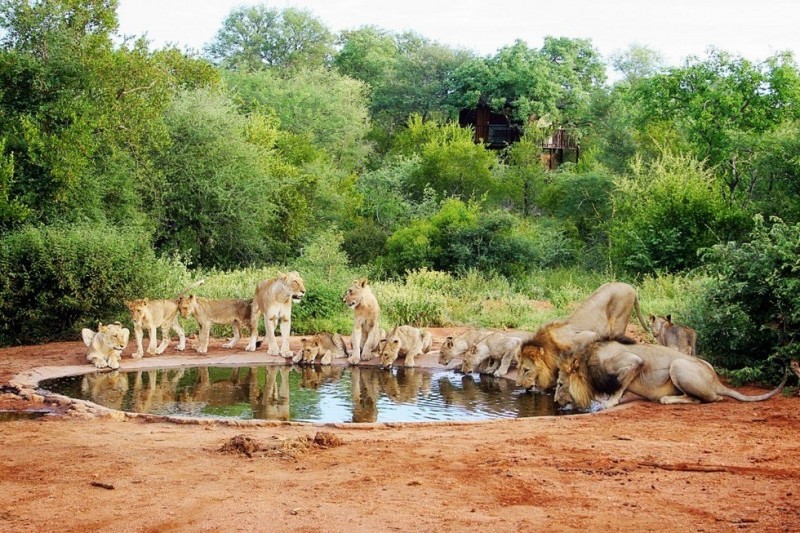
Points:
(559, 148)
(494, 130)
(498, 130)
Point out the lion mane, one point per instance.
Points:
(604, 314)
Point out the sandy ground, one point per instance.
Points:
(728, 466)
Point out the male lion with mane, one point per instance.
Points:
(656, 373)
(106, 345)
(273, 299)
(604, 314)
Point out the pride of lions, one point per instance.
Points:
(584, 357)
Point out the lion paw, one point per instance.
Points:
(137, 355)
(250, 348)
(354, 359)
(99, 363)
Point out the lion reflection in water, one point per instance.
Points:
(493, 394)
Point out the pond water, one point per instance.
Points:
(309, 393)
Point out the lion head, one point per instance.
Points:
(294, 283)
(573, 385)
(538, 361)
(186, 304)
(390, 350)
(446, 353)
(470, 359)
(309, 349)
(355, 293)
(138, 309)
(114, 335)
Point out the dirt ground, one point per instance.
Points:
(727, 466)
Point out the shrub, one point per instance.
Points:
(56, 280)
(666, 212)
(748, 312)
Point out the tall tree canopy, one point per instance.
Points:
(258, 37)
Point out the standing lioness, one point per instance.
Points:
(366, 324)
(274, 299)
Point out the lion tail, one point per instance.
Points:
(639, 314)
(190, 287)
(724, 391)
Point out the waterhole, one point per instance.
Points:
(309, 394)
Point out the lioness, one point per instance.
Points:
(405, 340)
(496, 347)
(153, 314)
(456, 346)
(656, 373)
(330, 345)
(273, 299)
(682, 338)
(366, 319)
(604, 314)
(106, 345)
(235, 312)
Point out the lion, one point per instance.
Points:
(154, 314)
(656, 373)
(604, 314)
(456, 346)
(233, 311)
(497, 351)
(682, 338)
(330, 345)
(106, 345)
(273, 299)
(366, 320)
(405, 340)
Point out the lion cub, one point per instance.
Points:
(235, 312)
(106, 345)
(682, 338)
(405, 340)
(153, 314)
(366, 324)
(493, 355)
(330, 345)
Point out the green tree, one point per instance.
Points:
(328, 107)
(258, 37)
(219, 188)
(717, 102)
(665, 212)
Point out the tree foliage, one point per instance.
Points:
(749, 312)
(258, 37)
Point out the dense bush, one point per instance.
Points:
(56, 280)
(749, 310)
(665, 212)
(461, 237)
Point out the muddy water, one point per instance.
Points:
(311, 394)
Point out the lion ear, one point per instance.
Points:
(145, 301)
(669, 319)
(363, 282)
(652, 318)
(101, 328)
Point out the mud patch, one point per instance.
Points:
(289, 448)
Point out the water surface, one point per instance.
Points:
(309, 393)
